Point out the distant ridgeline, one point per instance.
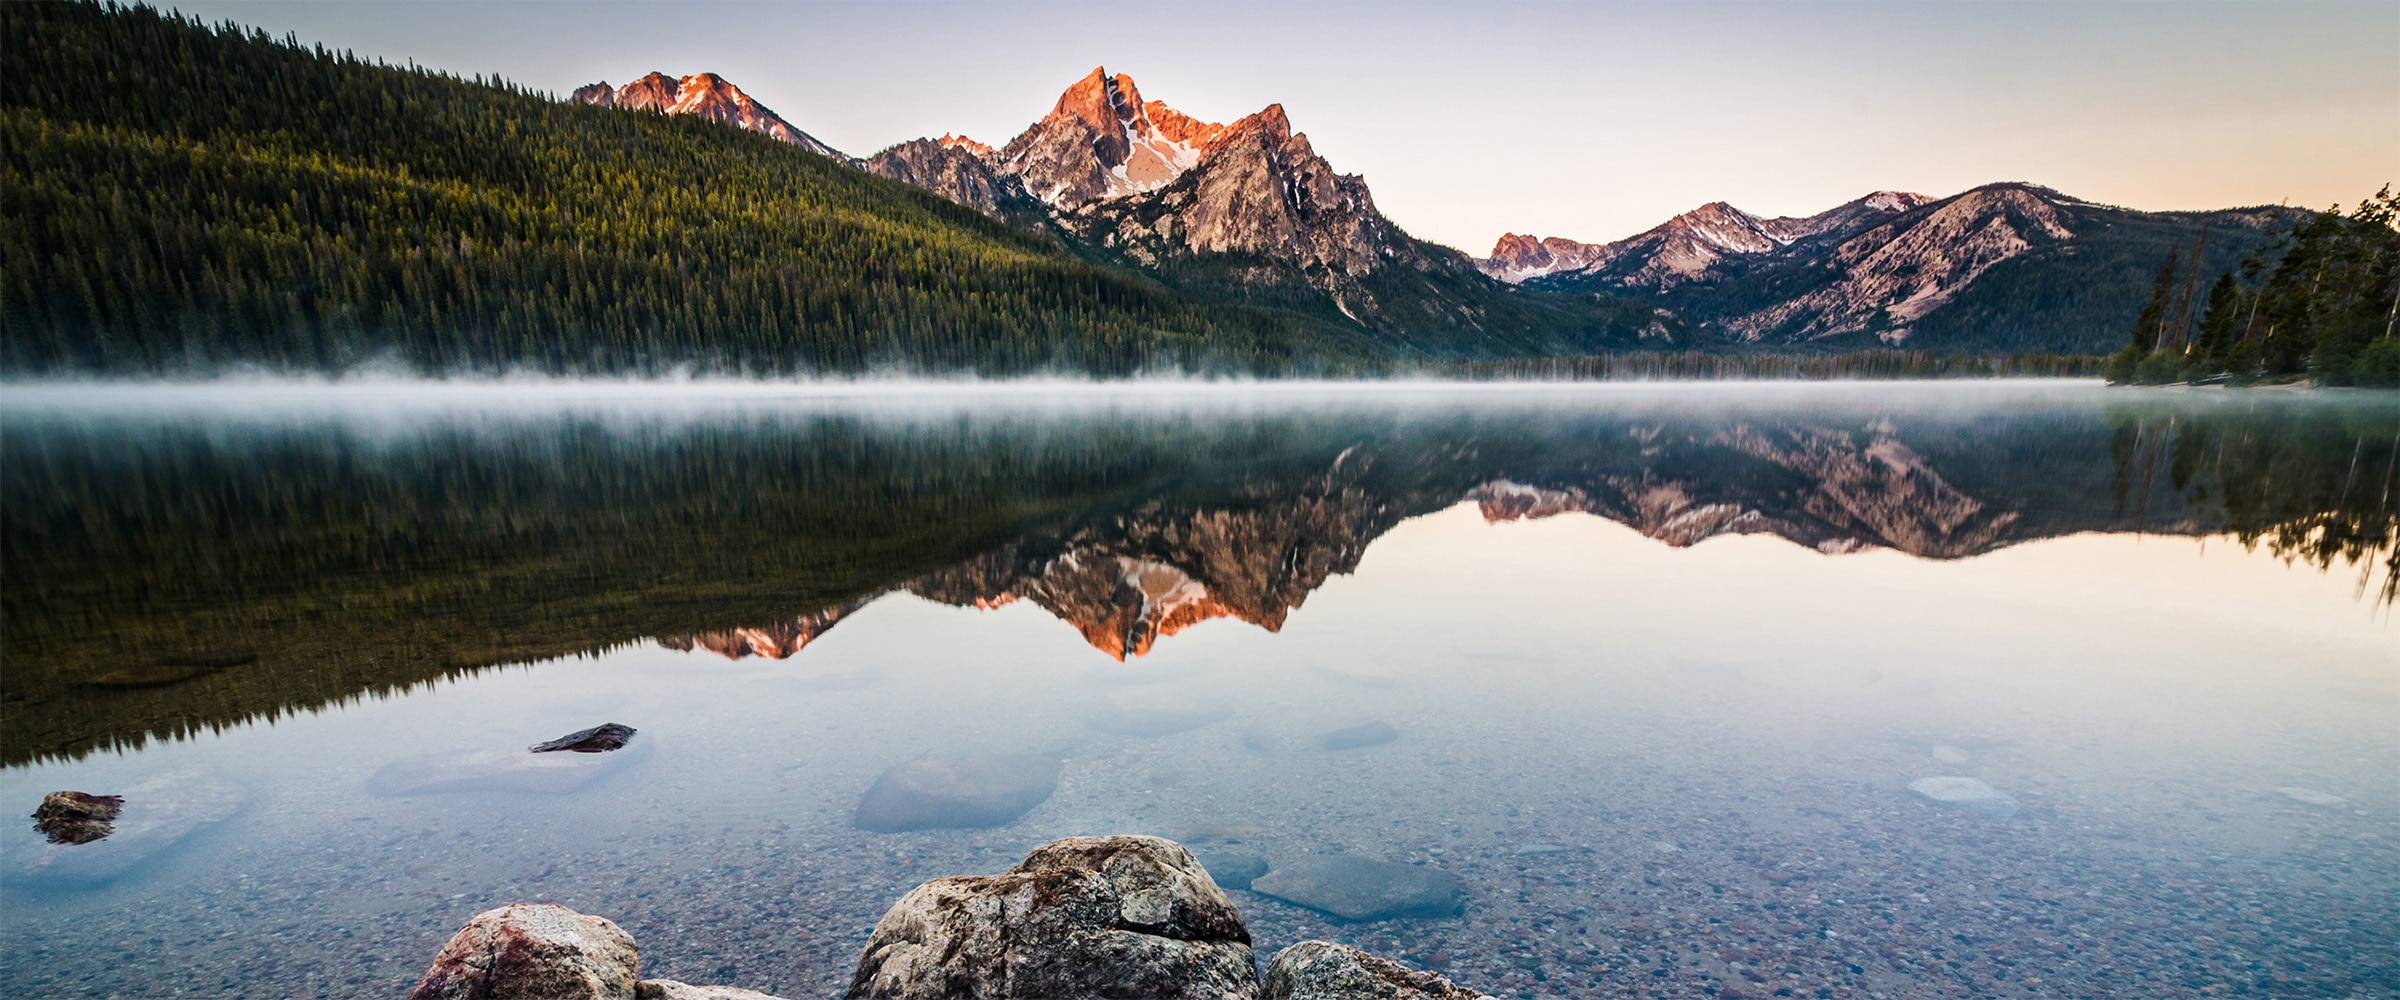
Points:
(2324, 301)
(166, 578)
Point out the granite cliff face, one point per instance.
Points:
(704, 95)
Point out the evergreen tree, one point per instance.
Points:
(2220, 322)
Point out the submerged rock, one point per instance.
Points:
(1365, 734)
(534, 951)
(1947, 754)
(1232, 871)
(2312, 796)
(1153, 715)
(1360, 889)
(1323, 970)
(155, 815)
(1120, 917)
(957, 792)
(598, 739)
(514, 772)
(668, 989)
(76, 817)
(1965, 793)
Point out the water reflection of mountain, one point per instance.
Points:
(162, 579)
(1128, 581)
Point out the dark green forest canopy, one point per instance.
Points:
(177, 197)
(2321, 302)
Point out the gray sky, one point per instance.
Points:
(1588, 120)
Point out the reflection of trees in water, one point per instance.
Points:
(162, 579)
(2316, 484)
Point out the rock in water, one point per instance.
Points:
(668, 989)
(1153, 715)
(1365, 734)
(956, 792)
(1120, 917)
(1232, 871)
(76, 817)
(1323, 970)
(598, 739)
(2308, 795)
(1359, 889)
(533, 951)
(514, 772)
(156, 815)
(1965, 793)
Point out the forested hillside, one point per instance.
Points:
(178, 197)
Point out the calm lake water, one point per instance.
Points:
(1650, 670)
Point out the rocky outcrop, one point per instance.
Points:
(533, 951)
(701, 95)
(1323, 970)
(1130, 917)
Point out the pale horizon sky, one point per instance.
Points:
(1591, 120)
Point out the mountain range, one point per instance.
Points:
(1247, 211)
(304, 210)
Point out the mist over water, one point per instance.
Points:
(1651, 669)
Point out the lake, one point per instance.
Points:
(1658, 673)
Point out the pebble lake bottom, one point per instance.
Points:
(1655, 765)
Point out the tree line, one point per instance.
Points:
(2320, 303)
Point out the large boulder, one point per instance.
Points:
(1323, 970)
(1119, 917)
(1362, 889)
(943, 793)
(533, 951)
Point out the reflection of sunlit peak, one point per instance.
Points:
(775, 642)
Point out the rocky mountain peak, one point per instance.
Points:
(702, 95)
(960, 142)
(1101, 140)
